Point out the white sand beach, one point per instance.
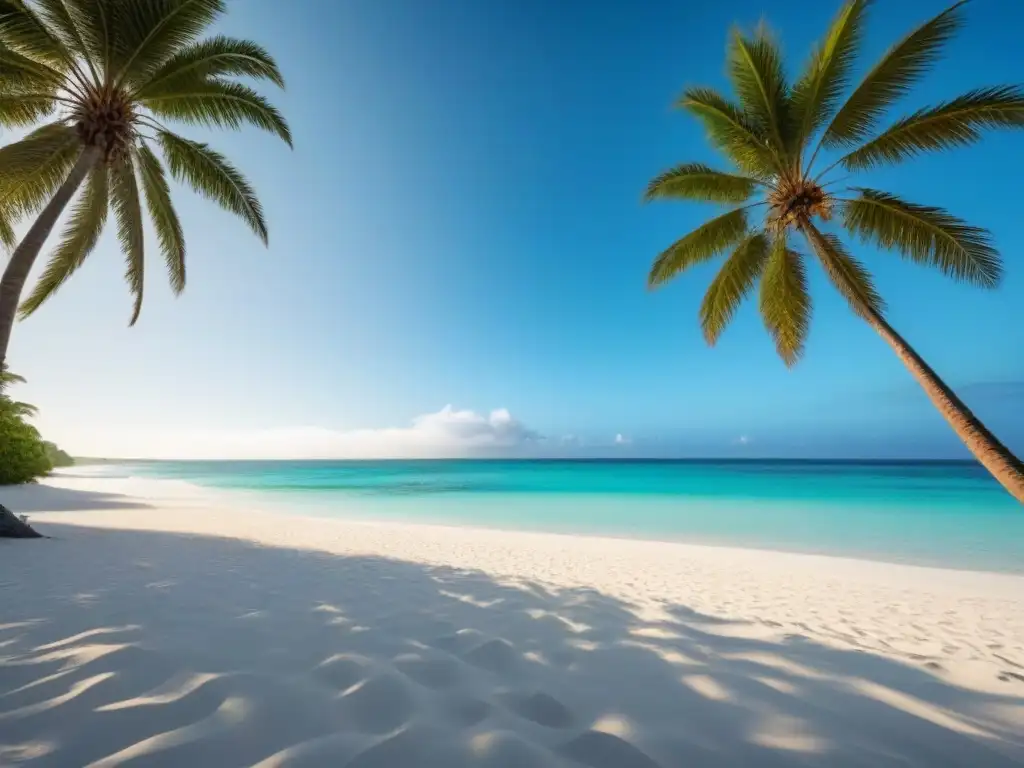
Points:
(170, 629)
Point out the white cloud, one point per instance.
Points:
(446, 433)
(744, 440)
(621, 439)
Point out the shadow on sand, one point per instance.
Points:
(28, 499)
(158, 649)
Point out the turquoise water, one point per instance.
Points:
(951, 514)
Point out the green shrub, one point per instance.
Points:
(23, 455)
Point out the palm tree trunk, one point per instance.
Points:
(993, 455)
(24, 256)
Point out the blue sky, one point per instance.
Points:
(460, 223)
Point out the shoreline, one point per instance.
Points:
(173, 506)
(692, 647)
(350, 517)
(158, 492)
(276, 502)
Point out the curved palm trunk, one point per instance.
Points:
(24, 256)
(994, 456)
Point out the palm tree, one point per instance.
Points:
(101, 76)
(772, 134)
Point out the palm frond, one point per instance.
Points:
(164, 217)
(216, 103)
(211, 175)
(7, 378)
(32, 169)
(926, 235)
(702, 244)
(69, 26)
(952, 124)
(7, 236)
(784, 302)
(21, 109)
(81, 233)
(816, 94)
(755, 69)
(19, 72)
(124, 194)
(23, 410)
(732, 284)
(23, 30)
(215, 57)
(95, 20)
(731, 131)
(900, 68)
(146, 34)
(847, 274)
(693, 181)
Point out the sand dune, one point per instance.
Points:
(158, 631)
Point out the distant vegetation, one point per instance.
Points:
(24, 455)
(783, 212)
(58, 458)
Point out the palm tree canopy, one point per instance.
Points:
(772, 130)
(106, 75)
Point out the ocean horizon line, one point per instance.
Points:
(83, 460)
